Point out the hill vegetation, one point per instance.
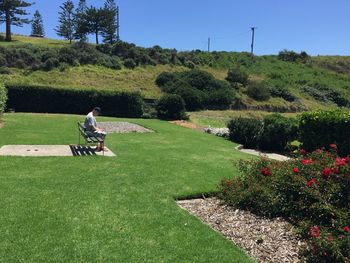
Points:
(290, 85)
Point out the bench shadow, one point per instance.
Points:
(82, 150)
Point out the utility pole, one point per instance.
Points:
(118, 36)
(252, 46)
(208, 44)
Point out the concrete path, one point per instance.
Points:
(273, 156)
(51, 150)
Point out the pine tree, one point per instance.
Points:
(110, 22)
(80, 22)
(10, 12)
(66, 19)
(38, 24)
(95, 18)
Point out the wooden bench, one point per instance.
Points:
(88, 138)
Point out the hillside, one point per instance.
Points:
(313, 84)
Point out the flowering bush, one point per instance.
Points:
(221, 132)
(312, 191)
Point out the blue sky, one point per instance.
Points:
(320, 27)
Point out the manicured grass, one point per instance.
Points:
(122, 209)
(219, 119)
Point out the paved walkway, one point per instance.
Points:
(273, 156)
(51, 150)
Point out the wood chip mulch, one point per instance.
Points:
(266, 240)
(188, 124)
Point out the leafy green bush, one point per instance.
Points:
(165, 78)
(236, 75)
(277, 132)
(312, 191)
(3, 98)
(130, 63)
(292, 56)
(171, 107)
(282, 93)
(258, 91)
(24, 98)
(323, 93)
(245, 131)
(320, 128)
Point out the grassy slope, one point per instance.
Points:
(45, 42)
(83, 209)
(333, 72)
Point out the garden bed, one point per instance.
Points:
(266, 240)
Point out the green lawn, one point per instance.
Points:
(99, 209)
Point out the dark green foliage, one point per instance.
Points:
(198, 89)
(110, 22)
(277, 132)
(282, 93)
(3, 98)
(321, 128)
(38, 24)
(236, 75)
(130, 63)
(291, 56)
(50, 64)
(258, 91)
(25, 98)
(95, 18)
(65, 28)
(171, 107)
(11, 12)
(5, 71)
(246, 131)
(80, 23)
(325, 94)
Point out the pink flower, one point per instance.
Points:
(339, 161)
(265, 171)
(333, 146)
(346, 228)
(302, 152)
(347, 159)
(311, 182)
(314, 231)
(306, 161)
(296, 170)
(326, 173)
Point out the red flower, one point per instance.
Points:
(346, 228)
(296, 170)
(326, 173)
(347, 159)
(306, 161)
(265, 171)
(336, 171)
(333, 146)
(314, 232)
(311, 182)
(302, 152)
(339, 161)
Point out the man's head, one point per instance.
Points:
(96, 111)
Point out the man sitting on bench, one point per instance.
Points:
(91, 128)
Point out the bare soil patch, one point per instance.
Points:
(266, 240)
(188, 124)
(122, 127)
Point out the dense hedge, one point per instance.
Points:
(321, 128)
(23, 98)
(171, 107)
(3, 98)
(198, 89)
(270, 134)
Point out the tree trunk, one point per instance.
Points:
(96, 37)
(8, 26)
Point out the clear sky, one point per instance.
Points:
(319, 27)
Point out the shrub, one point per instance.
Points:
(291, 56)
(313, 191)
(50, 64)
(282, 93)
(236, 75)
(219, 99)
(3, 98)
(325, 94)
(171, 107)
(246, 131)
(277, 132)
(320, 128)
(165, 78)
(258, 91)
(5, 71)
(129, 63)
(24, 98)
